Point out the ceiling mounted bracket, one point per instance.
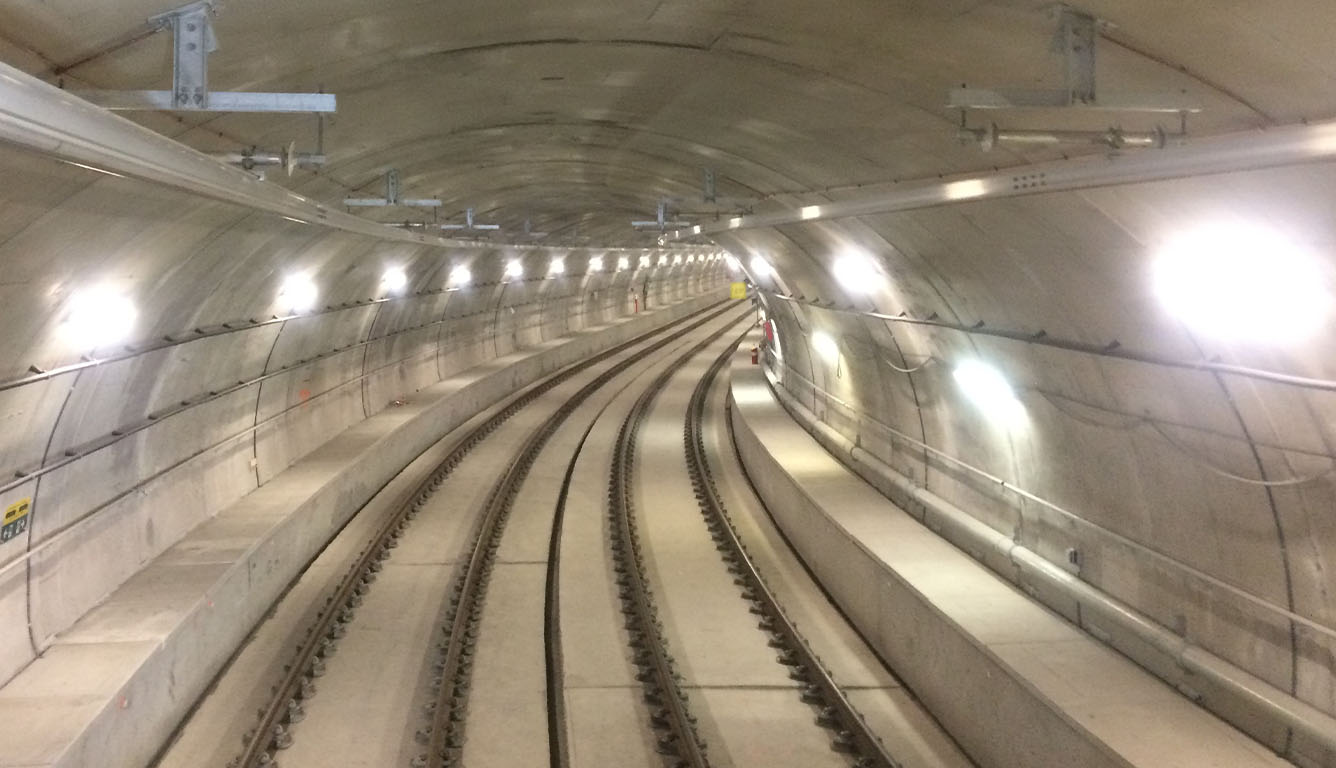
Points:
(1077, 40)
(469, 225)
(392, 196)
(661, 221)
(193, 40)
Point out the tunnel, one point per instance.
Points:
(667, 383)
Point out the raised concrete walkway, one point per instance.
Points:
(1015, 684)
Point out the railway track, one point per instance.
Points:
(850, 732)
(284, 708)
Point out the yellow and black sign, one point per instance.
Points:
(16, 519)
(737, 291)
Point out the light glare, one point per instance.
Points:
(760, 267)
(826, 346)
(514, 269)
(297, 294)
(623, 263)
(596, 264)
(987, 388)
(557, 267)
(99, 316)
(394, 280)
(856, 272)
(1241, 282)
(460, 276)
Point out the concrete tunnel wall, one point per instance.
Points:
(1127, 463)
(263, 391)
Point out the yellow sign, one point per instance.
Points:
(737, 291)
(16, 519)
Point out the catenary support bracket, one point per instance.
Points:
(1076, 39)
(192, 41)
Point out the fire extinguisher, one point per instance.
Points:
(756, 355)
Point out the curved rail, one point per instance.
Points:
(449, 708)
(298, 683)
(834, 710)
(670, 714)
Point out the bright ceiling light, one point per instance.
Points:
(460, 276)
(691, 258)
(514, 269)
(760, 267)
(596, 264)
(965, 190)
(297, 294)
(810, 212)
(98, 317)
(623, 263)
(677, 259)
(394, 280)
(856, 272)
(987, 388)
(644, 262)
(663, 260)
(1242, 282)
(557, 267)
(826, 346)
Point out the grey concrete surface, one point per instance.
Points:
(240, 561)
(1040, 691)
(583, 115)
(908, 730)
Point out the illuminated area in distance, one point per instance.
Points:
(460, 276)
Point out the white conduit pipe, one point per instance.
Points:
(1104, 617)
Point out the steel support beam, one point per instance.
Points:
(1249, 151)
(40, 117)
(217, 101)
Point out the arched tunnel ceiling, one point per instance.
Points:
(582, 115)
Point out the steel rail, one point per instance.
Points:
(445, 742)
(297, 684)
(670, 712)
(835, 711)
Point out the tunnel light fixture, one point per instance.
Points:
(623, 263)
(514, 269)
(99, 316)
(826, 346)
(596, 264)
(760, 267)
(297, 294)
(394, 280)
(663, 260)
(856, 271)
(556, 267)
(986, 387)
(677, 259)
(810, 212)
(1242, 282)
(644, 262)
(460, 276)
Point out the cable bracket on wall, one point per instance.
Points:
(193, 40)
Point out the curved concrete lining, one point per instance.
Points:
(110, 689)
(1014, 682)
